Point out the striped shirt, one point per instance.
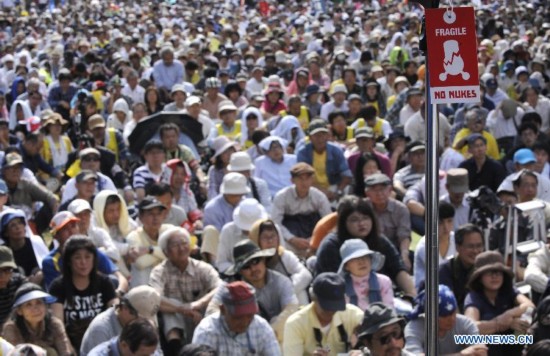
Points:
(7, 294)
(406, 176)
(143, 176)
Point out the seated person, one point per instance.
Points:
(445, 240)
(145, 240)
(242, 329)
(407, 176)
(181, 191)
(299, 207)
(245, 215)
(33, 323)
(28, 250)
(81, 292)
(276, 298)
(24, 193)
(111, 213)
(393, 215)
(475, 123)
(359, 266)
(63, 226)
(154, 169)
(174, 215)
(494, 304)
(139, 302)
(356, 219)
(89, 160)
(10, 280)
(266, 234)
(450, 323)
(382, 331)
(456, 271)
(181, 308)
(327, 323)
(274, 166)
(138, 337)
(241, 162)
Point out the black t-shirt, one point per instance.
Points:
(25, 257)
(83, 306)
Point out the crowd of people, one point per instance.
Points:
(240, 178)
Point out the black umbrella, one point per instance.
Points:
(148, 127)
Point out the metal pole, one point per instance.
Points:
(431, 221)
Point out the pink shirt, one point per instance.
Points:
(361, 287)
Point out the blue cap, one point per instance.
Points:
(524, 156)
(491, 83)
(3, 187)
(330, 291)
(508, 65)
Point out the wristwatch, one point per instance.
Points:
(151, 250)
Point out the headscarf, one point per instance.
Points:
(99, 207)
(447, 303)
(284, 129)
(27, 113)
(244, 128)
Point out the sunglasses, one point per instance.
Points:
(253, 262)
(386, 339)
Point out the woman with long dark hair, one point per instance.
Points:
(152, 100)
(356, 220)
(32, 323)
(81, 292)
(367, 165)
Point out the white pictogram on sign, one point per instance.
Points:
(453, 63)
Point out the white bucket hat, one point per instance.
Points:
(247, 213)
(234, 183)
(240, 161)
(221, 144)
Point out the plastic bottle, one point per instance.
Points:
(526, 316)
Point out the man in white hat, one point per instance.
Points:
(219, 211)
(338, 102)
(244, 216)
(142, 301)
(240, 162)
(193, 108)
(213, 98)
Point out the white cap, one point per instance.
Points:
(79, 205)
(192, 100)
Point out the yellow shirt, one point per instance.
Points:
(299, 338)
(320, 166)
(492, 146)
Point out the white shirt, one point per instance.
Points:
(543, 109)
(415, 127)
(277, 175)
(420, 258)
(70, 188)
(501, 127)
(255, 87)
(137, 94)
(450, 158)
(543, 188)
(330, 107)
(461, 213)
(405, 114)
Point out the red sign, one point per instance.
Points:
(452, 55)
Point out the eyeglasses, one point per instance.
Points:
(386, 339)
(90, 159)
(253, 262)
(494, 273)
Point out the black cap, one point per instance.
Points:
(330, 290)
(415, 146)
(150, 202)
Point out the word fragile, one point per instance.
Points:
(460, 31)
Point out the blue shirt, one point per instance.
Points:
(218, 212)
(167, 76)
(337, 165)
(52, 266)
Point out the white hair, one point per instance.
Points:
(164, 238)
